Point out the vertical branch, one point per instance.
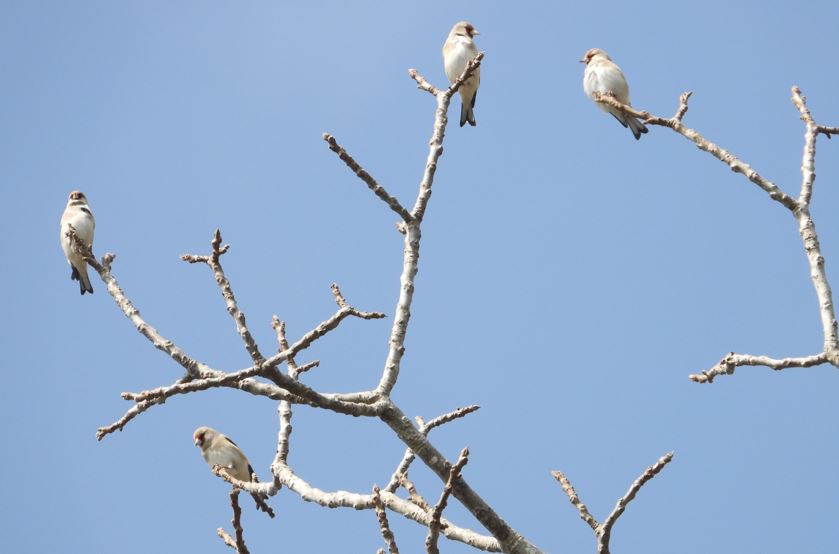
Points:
(239, 543)
(412, 228)
(384, 527)
(807, 229)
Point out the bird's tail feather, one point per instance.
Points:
(637, 127)
(466, 114)
(84, 281)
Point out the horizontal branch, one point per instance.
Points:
(732, 361)
(258, 493)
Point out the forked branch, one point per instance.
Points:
(603, 531)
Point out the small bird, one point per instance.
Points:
(219, 450)
(458, 51)
(604, 76)
(78, 215)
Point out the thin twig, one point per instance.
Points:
(239, 544)
(603, 531)
(437, 512)
(413, 494)
(585, 515)
(371, 183)
(424, 428)
(384, 527)
(213, 261)
(259, 491)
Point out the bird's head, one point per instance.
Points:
(592, 53)
(203, 436)
(77, 197)
(464, 28)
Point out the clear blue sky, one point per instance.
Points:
(571, 278)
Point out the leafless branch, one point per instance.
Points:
(731, 361)
(239, 543)
(424, 428)
(585, 515)
(384, 527)
(213, 261)
(437, 512)
(259, 491)
(413, 494)
(798, 207)
(371, 183)
(288, 389)
(603, 531)
(344, 499)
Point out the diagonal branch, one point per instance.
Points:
(435, 145)
(437, 513)
(213, 261)
(508, 538)
(371, 183)
(585, 515)
(603, 531)
(732, 161)
(425, 428)
(619, 508)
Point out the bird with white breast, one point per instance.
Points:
(458, 50)
(603, 76)
(78, 215)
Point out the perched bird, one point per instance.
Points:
(78, 214)
(604, 76)
(458, 51)
(218, 450)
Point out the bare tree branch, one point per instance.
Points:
(424, 428)
(213, 261)
(287, 389)
(258, 493)
(384, 527)
(344, 499)
(603, 531)
(731, 361)
(413, 494)
(732, 161)
(800, 210)
(585, 515)
(239, 543)
(377, 189)
(437, 512)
